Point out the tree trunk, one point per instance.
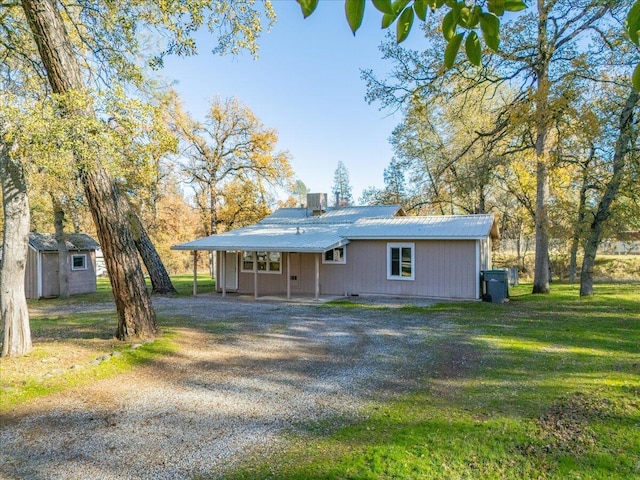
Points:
(578, 230)
(160, 281)
(624, 143)
(13, 304)
(63, 252)
(136, 317)
(541, 270)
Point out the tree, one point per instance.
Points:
(13, 304)
(539, 51)
(230, 161)
(341, 188)
(136, 317)
(395, 188)
(63, 252)
(624, 145)
(112, 51)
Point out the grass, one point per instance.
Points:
(545, 386)
(67, 353)
(65, 346)
(542, 387)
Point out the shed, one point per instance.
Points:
(369, 250)
(41, 276)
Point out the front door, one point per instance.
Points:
(294, 271)
(231, 270)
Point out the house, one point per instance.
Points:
(367, 250)
(41, 276)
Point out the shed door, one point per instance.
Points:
(50, 279)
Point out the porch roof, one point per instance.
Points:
(271, 238)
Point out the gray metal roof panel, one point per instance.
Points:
(333, 216)
(432, 227)
(270, 238)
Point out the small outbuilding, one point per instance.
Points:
(41, 276)
(370, 250)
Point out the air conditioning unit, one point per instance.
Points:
(317, 202)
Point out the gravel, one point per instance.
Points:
(230, 393)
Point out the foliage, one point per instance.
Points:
(341, 188)
(470, 19)
(633, 30)
(538, 388)
(231, 164)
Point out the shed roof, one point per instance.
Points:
(46, 242)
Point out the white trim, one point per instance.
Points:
(39, 275)
(79, 255)
(343, 259)
(478, 268)
(401, 246)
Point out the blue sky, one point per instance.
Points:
(306, 84)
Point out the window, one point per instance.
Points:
(268, 262)
(247, 261)
(78, 262)
(335, 255)
(400, 261)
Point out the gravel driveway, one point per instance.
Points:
(253, 372)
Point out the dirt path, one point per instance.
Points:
(266, 368)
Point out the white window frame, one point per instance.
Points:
(267, 262)
(343, 257)
(84, 261)
(401, 246)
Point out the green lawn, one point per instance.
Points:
(543, 387)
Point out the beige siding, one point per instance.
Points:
(83, 281)
(31, 274)
(443, 269)
(80, 281)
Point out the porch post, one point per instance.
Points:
(195, 273)
(223, 272)
(255, 275)
(317, 276)
(288, 275)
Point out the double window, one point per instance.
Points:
(400, 261)
(79, 262)
(267, 262)
(335, 255)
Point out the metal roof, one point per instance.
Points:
(449, 227)
(342, 215)
(290, 230)
(46, 242)
(271, 238)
